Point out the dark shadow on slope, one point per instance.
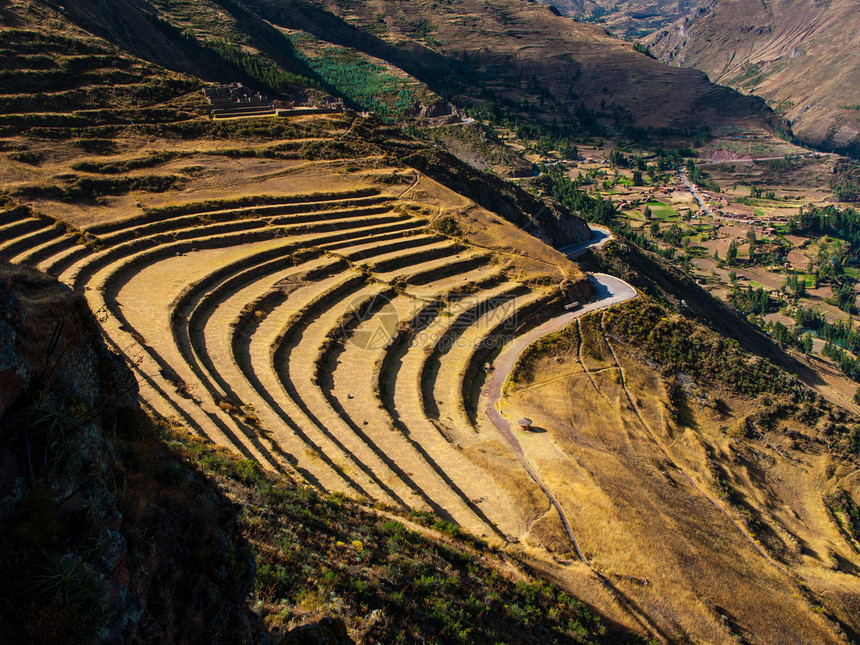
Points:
(136, 26)
(439, 72)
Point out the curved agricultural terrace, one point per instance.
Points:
(334, 334)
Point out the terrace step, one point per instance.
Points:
(35, 237)
(409, 376)
(36, 254)
(14, 216)
(293, 361)
(376, 248)
(20, 226)
(59, 262)
(462, 263)
(260, 356)
(282, 206)
(382, 234)
(212, 344)
(442, 472)
(121, 289)
(190, 221)
(458, 282)
(241, 231)
(453, 359)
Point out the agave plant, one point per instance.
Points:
(73, 581)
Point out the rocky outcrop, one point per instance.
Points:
(106, 537)
(577, 290)
(15, 370)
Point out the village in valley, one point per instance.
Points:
(728, 216)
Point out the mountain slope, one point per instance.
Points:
(528, 61)
(802, 57)
(521, 60)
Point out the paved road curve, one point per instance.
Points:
(600, 236)
(610, 291)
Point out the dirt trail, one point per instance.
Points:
(610, 291)
(585, 369)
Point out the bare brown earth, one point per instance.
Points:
(799, 56)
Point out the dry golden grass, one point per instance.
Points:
(524, 257)
(508, 475)
(636, 516)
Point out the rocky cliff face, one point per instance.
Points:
(105, 536)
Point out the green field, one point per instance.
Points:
(662, 211)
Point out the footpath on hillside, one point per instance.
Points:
(609, 291)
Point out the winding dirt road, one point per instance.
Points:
(610, 291)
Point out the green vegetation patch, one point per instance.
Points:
(261, 68)
(662, 211)
(27, 157)
(367, 84)
(847, 515)
(566, 191)
(118, 167)
(448, 226)
(263, 129)
(89, 189)
(309, 150)
(680, 344)
(328, 553)
(845, 181)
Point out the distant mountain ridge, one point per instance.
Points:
(802, 57)
(628, 18)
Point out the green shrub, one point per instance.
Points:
(681, 344)
(97, 146)
(32, 158)
(448, 226)
(116, 168)
(61, 600)
(86, 189)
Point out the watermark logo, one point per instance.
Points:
(371, 323)
(469, 321)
